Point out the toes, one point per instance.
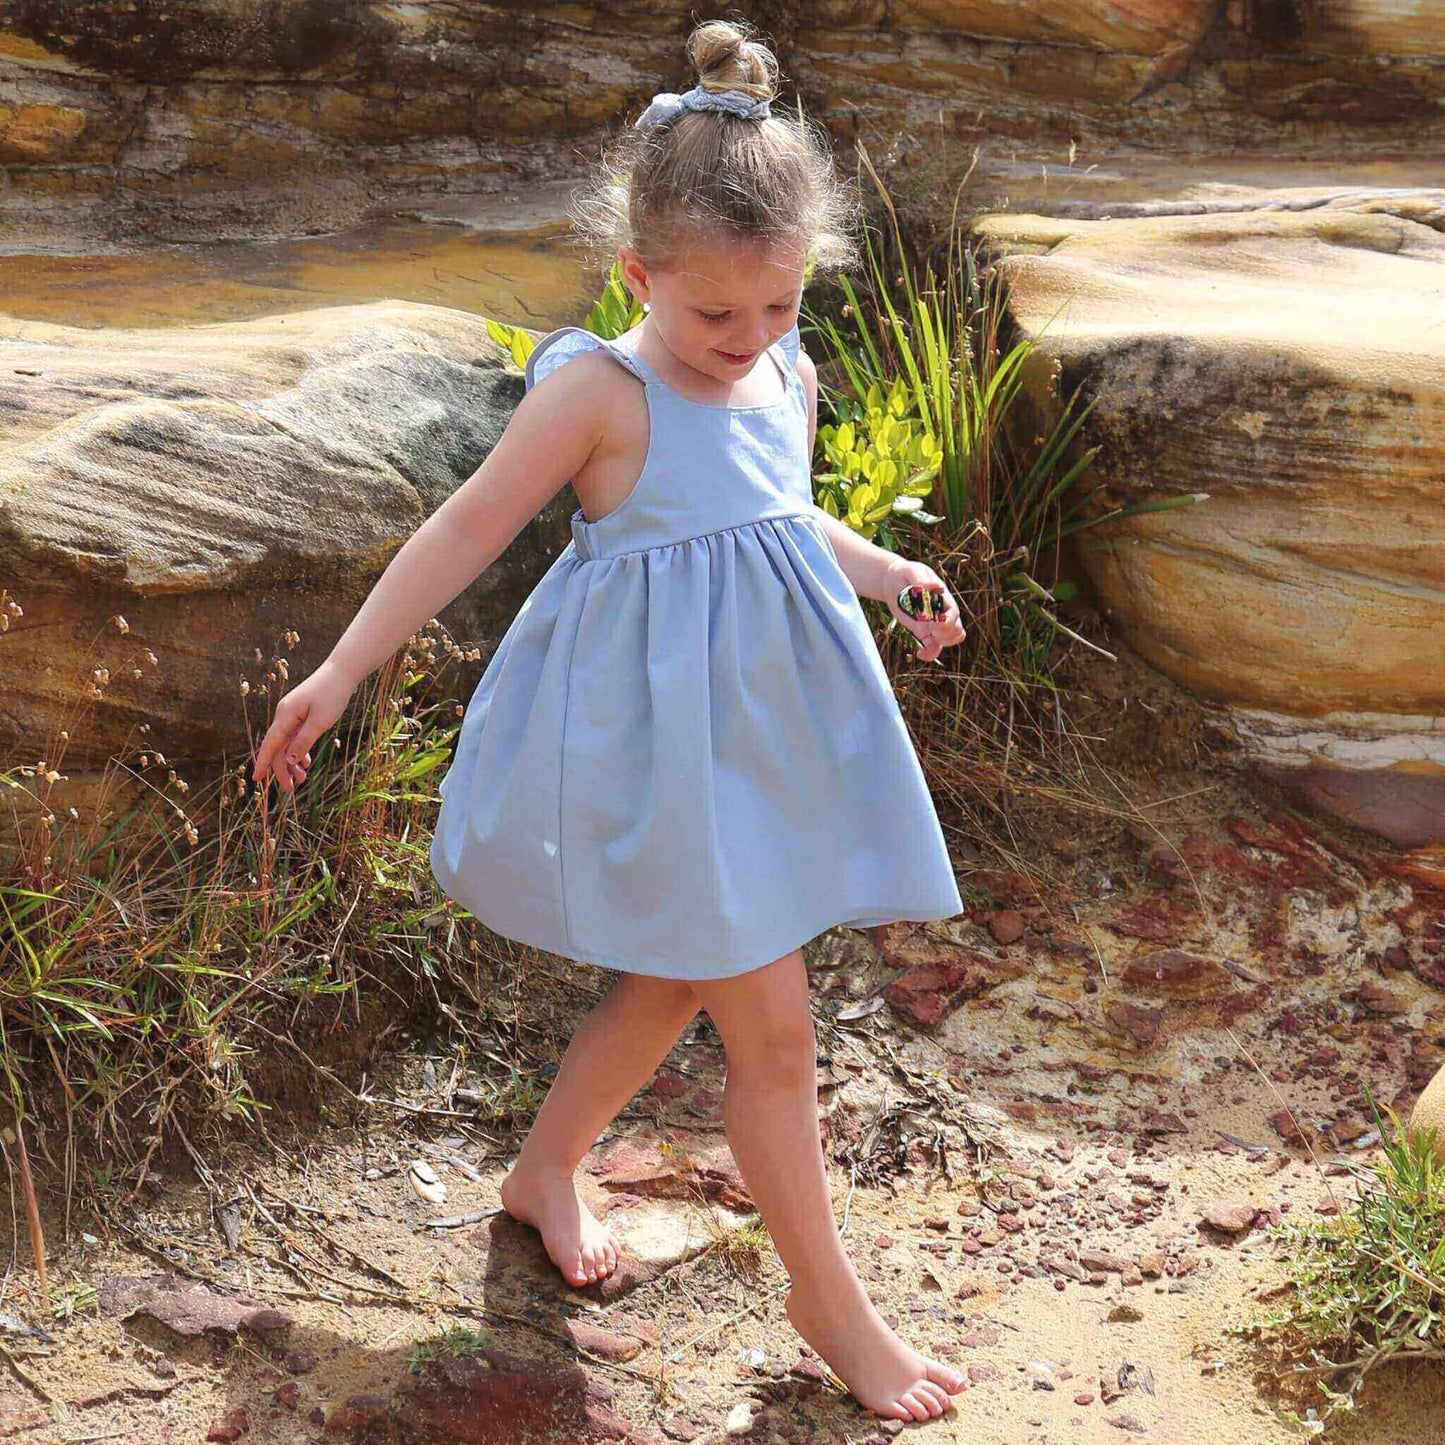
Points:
(915, 1407)
(933, 1394)
(949, 1379)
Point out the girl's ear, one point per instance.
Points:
(634, 273)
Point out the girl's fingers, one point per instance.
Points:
(273, 743)
(282, 766)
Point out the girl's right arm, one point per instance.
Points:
(554, 430)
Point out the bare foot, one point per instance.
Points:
(576, 1242)
(881, 1372)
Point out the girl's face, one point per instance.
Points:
(722, 303)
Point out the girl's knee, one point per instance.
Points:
(778, 1049)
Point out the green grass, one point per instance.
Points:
(148, 960)
(1369, 1284)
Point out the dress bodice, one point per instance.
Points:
(708, 468)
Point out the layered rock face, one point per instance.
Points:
(221, 117)
(1288, 361)
(215, 486)
(1277, 348)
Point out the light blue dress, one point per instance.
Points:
(685, 757)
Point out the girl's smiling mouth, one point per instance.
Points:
(735, 360)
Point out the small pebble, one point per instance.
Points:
(740, 1419)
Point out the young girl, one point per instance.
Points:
(684, 759)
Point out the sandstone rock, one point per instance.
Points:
(1172, 971)
(1140, 1023)
(660, 1236)
(1429, 1113)
(1007, 925)
(299, 1361)
(1301, 594)
(230, 1427)
(1065, 1267)
(927, 991)
(1285, 1123)
(19, 1414)
(216, 485)
(1231, 1218)
(1158, 918)
(186, 1308)
(492, 1397)
(617, 1348)
(123, 123)
(1377, 997)
(356, 1412)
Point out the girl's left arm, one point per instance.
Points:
(874, 571)
(867, 567)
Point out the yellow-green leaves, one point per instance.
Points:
(880, 460)
(614, 312)
(513, 340)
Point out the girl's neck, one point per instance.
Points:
(696, 385)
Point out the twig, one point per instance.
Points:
(32, 1211)
(456, 1221)
(289, 1238)
(419, 1110)
(747, 1309)
(338, 1246)
(24, 1377)
(1367, 1362)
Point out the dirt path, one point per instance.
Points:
(1026, 1140)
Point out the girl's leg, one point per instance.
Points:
(614, 1052)
(770, 1110)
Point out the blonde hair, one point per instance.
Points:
(710, 174)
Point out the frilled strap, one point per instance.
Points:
(559, 346)
(788, 345)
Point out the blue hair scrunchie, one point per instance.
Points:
(668, 105)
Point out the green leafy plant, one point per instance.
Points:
(614, 311)
(881, 460)
(459, 1341)
(1369, 1284)
(83, 1298)
(919, 437)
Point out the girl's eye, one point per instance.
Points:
(723, 315)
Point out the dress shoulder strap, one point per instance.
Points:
(559, 346)
(787, 345)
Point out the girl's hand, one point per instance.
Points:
(302, 715)
(934, 633)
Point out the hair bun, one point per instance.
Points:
(726, 57)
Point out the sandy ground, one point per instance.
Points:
(1024, 1182)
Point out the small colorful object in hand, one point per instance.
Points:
(923, 602)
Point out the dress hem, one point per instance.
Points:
(653, 969)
